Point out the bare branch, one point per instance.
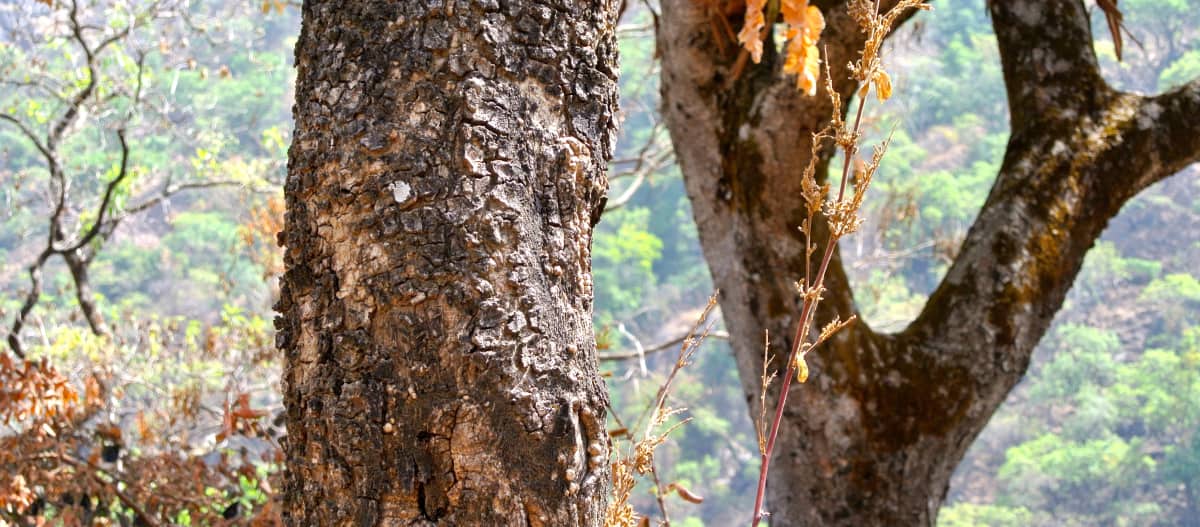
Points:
(175, 189)
(109, 190)
(31, 299)
(68, 117)
(78, 265)
(41, 85)
(651, 158)
(627, 195)
(637, 346)
(27, 133)
(662, 346)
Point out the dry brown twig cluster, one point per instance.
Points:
(135, 439)
(638, 456)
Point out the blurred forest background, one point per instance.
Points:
(182, 266)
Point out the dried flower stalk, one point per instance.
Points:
(639, 457)
(841, 212)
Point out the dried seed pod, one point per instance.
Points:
(686, 494)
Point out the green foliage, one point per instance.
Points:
(1084, 357)
(1123, 439)
(1178, 288)
(887, 301)
(1176, 299)
(972, 515)
(184, 272)
(1182, 71)
(623, 256)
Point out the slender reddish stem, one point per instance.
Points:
(801, 330)
(783, 393)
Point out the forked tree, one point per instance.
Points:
(874, 436)
(447, 168)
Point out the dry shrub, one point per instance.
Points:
(137, 431)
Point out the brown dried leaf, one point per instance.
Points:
(1115, 19)
(686, 494)
(751, 34)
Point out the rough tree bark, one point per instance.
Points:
(446, 170)
(873, 437)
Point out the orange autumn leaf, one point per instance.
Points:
(750, 37)
(883, 85)
(145, 433)
(236, 413)
(109, 431)
(795, 15)
(805, 24)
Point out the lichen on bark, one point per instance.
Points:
(874, 436)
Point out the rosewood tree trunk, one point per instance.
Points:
(874, 436)
(448, 163)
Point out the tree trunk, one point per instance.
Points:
(447, 167)
(874, 436)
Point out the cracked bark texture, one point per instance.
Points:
(874, 436)
(447, 166)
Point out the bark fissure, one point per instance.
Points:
(447, 165)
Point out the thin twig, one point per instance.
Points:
(658, 494)
(662, 346)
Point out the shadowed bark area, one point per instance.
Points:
(874, 436)
(446, 170)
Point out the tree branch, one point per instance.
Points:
(175, 189)
(662, 346)
(1079, 151)
(27, 133)
(1049, 63)
(31, 299)
(102, 210)
(76, 254)
(1170, 136)
(78, 265)
(68, 117)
